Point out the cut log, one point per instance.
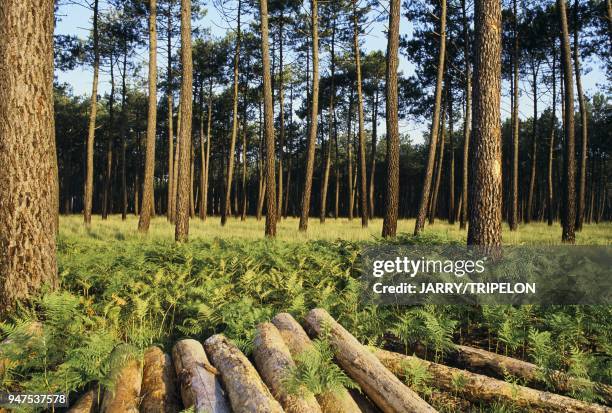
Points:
(489, 363)
(476, 387)
(379, 384)
(87, 403)
(247, 392)
(298, 341)
(273, 361)
(124, 396)
(159, 389)
(197, 379)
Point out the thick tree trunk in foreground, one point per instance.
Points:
(486, 178)
(273, 361)
(181, 232)
(298, 341)
(245, 389)
(124, 396)
(584, 121)
(93, 108)
(87, 403)
(569, 186)
(28, 176)
(386, 390)
(197, 378)
(515, 122)
(232, 149)
(314, 112)
(392, 184)
(147, 194)
(420, 221)
(476, 387)
(467, 124)
(269, 187)
(158, 391)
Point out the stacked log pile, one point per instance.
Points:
(217, 377)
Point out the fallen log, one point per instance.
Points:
(379, 384)
(197, 379)
(274, 362)
(158, 392)
(476, 387)
(124, 396)
(471, 358)
(298, 341)
(87, 403)
(246, 391)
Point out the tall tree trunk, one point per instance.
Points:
(551, 143)
(206, 157)
(270, 183)
(147, 195)
(332, 119)
(109, 143)
(314, 111)
(486, 178)
(93, 109)
(534, 147)
(288, 183)
(124, 196)
(467, 124)
(451, 167)
(373, 154)
(171, 199)
(569, 193)
(362, 144)
(232, 148)
(433, 207)
(191, 179)
(515, 122)
(260, 167)
(245, 125)
(392, 185)
(336, 173)
(584, 124)
(181, 232)
(28, 177)
(177, 152)
(281, 120)
(349, 160)
(420, 221)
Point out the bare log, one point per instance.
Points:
(123, 397)
(273, 361)
(246, 391)
(380, 385)
(158, 393)
(197, 379)
(87, 403)
(476, 387)
(298, 341)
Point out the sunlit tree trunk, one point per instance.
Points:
(28, 176)
(486, 178)
(206, 157)
(467, 124)
(551, 143)
(281, 119)
(373, 155)
(109, 143)
(451, 167)
(93, 109)
(515, 123)
(349, 159)
(433, 207)
(332, 119)
(171, 198)
(147, 195)
(362, 145)
(420, 221)
(534, 146)
(392, 185)
(181, 233)
(270, 182)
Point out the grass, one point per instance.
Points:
(287, 230)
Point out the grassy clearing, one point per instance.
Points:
(251, 229)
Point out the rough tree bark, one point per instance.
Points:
(93, 109)
(486, 178)
(181, 232)
(28, 177)
(147, 195)
(158, 391)
(270, 181)
(314, 111)
(420, 221)
(123, 397)
(569, 188)
(392, 185)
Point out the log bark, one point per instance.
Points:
(298, 341)
(197, 378)
(246, 391)
(379, 384)
(476, 387)
(87, 403)
(124, 396)
(158, 390)
(273, 360)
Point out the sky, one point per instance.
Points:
(76, 20)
